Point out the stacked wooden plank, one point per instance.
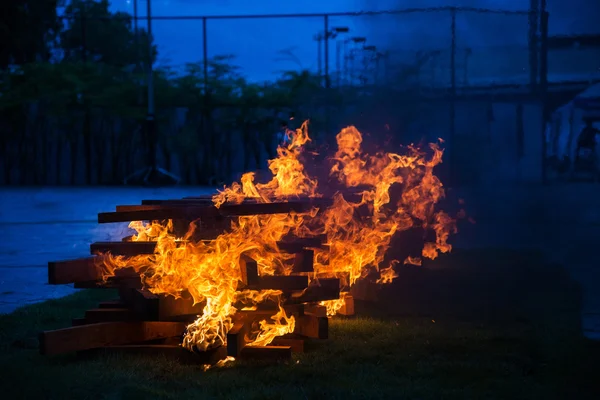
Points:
(145, 323)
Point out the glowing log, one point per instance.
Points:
(92, 336)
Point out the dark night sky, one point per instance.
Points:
(256, 42)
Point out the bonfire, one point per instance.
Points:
(210, 271)
(345, 221)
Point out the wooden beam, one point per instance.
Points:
(143, 207)
(123, 248)
(177, 202)
(114, 282)
(92, 336)
(163, 307)
(78, 322)
(281, 282)
(249, 270)
(194, 212)
(365, 291)
(236, 338)
(324, 289)
(304, 261)
(97, 315)
(112, 304)
(297, 345)
(296, 245)
(71, 271)
(266, 353)
(316, 310)
(348, 307)
(170, 352)
(312, 326)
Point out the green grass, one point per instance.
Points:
(517, 337)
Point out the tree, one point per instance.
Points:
(28, 30)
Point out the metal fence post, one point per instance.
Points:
(543, 90)
(205, 54)
(453, 96)
(326, 22)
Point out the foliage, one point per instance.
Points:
(89, 100)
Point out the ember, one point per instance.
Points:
(258, 267)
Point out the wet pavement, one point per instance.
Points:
(47, 224)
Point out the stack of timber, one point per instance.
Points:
(140, 322)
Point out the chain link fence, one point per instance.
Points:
(223, 85)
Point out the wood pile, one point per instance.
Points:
(140, 322)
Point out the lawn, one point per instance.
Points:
(490, 324)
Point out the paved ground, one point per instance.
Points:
(39, 225)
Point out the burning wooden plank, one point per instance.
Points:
(297, 245)
(304, 261)
(324, 289)
(236, 338)
(152, 307)
(194, 212)
(92, 336)
(316, 310)
(266, 353)
(297, 345)
(312, 326)
(348, 307)
(281, 282)
(249, 271)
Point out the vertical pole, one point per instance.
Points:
(326, 23)
(345, 51)
(150, 121)
(453, 146)
(534, 15)
(205, 54)
(338, 50)
(544, 84)
(83, 34)
(319, 54)
(135, 20)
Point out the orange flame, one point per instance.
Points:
(359, 231)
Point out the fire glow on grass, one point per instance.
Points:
(209, 270)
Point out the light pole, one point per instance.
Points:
(349, 70)
(323, 37)
(369, 52)
(152, 173)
